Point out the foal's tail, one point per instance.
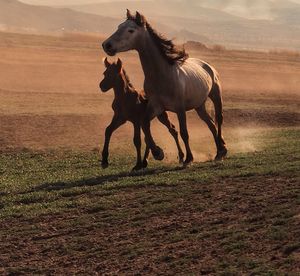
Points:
(216, 96)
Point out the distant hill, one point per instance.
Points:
(278, 10)
(217, 21)
(208, 21)
(183, 8)
(15, 15)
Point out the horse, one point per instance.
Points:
(173, 81)
(130, 105)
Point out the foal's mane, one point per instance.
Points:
(166, 46)
(129, 86)
(128, 82)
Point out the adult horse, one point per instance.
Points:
(173, 81)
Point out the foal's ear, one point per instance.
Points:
(140, 19)
(119, 64)
(106, 62)
(129, 15)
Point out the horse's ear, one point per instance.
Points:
(106, 62)
(129, 15)
(140, 19)
(119, 64)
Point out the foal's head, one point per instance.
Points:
(113, 70)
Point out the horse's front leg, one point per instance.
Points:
(185, 136)
(115, 124)
(156, 151)
(137, 142)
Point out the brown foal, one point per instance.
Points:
(129, 105)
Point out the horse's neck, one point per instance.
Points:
(153, 63)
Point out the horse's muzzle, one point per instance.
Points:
(108, 48)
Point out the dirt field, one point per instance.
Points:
(50, 96)
(60, 213)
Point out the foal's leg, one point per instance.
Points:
(211, 125)
(146, 155)
(185, 137)
(157, 152)
(137, 142)
(164, 119)
(115, 123)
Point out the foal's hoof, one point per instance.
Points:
(104, 165)
(158, 154)
(137, 168)
(181, 158)
(221, 154)
(145, 164)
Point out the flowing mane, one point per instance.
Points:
(128, 82)
(166, 46)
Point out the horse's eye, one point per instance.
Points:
(131, 31)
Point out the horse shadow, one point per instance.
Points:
(99, 180)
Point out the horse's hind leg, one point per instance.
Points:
(216, 97)
(115, 123)
(211, 125)
(185, 137)
(164, 119)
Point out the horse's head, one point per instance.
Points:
(127, 36)
(111, 73)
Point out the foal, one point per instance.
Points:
(129, 105)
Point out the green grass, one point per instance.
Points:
(237, 216)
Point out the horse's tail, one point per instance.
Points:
(216, 96)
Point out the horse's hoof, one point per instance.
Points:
(221, 154)
(145, 164)
(158, 154)
(104, 165)
(188, 162)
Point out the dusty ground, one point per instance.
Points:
(61, 214)
(50, 96)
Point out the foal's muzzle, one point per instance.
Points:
(103, 87)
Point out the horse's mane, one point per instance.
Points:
(166, 46)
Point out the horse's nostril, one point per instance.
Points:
(108, 46)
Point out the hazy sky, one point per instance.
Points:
(64, 2)
(68, 2)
